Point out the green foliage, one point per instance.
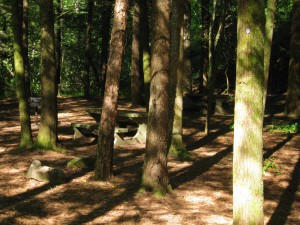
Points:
(270, 165)
(85, 162)
(286, 127)
(231, 126)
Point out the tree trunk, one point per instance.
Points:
(292, 108)
(136, 56)
(26, 135)
(187, 69)
(25, 46)
(86, 74)
(177, 146)
(104, 152)
(58, 46)
(47, 135)
(269, 27)
(211, 61)
(215, 52)
(3, 70)
(107, 10)
(145, 49)
(204, 46)
(155, 174)
(248, 118)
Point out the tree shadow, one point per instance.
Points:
(284, 206)
(207, 139)
(270, 152)
(197, 168)
(129, 190)
(22, 198)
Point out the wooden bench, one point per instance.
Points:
(92, 130)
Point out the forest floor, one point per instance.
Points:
(202, 184)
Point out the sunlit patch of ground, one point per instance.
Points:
(202, 184)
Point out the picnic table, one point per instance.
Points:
(140, 119)
(125, 118)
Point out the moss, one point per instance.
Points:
(84, 162)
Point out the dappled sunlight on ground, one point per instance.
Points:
(202, 183)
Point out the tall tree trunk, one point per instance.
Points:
(136, 56)
(269, 27)
(107, 11)
(145, 49)
(3, 70)
(59, 59)
(17, 18)
(86, 74)
(211, 61)
(104, 152)
(215, 52)
(248, 117)
(204, 46)
(47, 135)
(177, 146)
(25, 46)
(155, 174)
(187, 69)
(292, 108)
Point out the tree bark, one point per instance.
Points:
(47, 135)
(17, 18)
(270, 23)
(177, 146)
(187, 69)
(248, 118)
(25, 46)
(104, 152)
(136, 56)
(146, 50)
(155, 174)
(59, 46)
(89, 26)
(107, 11)
(204, 46)
(292, 108)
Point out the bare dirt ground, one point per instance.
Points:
(202, 185)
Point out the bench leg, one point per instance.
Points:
(77, 134)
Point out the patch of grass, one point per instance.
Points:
(270, 165)
(286, 127)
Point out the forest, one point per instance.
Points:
(147, 112)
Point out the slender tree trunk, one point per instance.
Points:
(86, 74)
(155, 174)
(204, 46)
(270, 23)
(107, 11)
(25, 46)
(26, 135)
(187, 69)
(248, 118)
(216, 41)
(47, 135)
(136, 56)
(3, 70)
(211, 61)
(145, 49)
(59, 45)
(177, 146)
(292, 108)
(104, 152)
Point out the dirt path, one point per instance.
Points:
(202, 185)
